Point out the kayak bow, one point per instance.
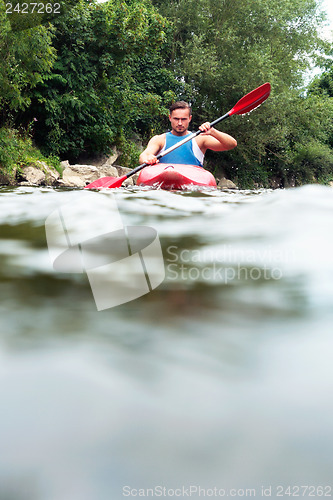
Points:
(246, 104)
(175, 176)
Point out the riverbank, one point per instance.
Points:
(22, 163)
(88, 169)
(78, 175)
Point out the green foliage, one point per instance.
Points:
(130, 152)
(239, 44)
(102, 74)
(322, 88)
(29, 14)
(224, 49)
(105, 83)
(306, 152)
(312, 161)
(26, 58)
(9, 151)
(17, 151)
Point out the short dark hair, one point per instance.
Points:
(180, 105)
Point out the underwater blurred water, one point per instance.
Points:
(218, 378)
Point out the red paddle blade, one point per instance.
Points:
(106, 182)
(251, 100)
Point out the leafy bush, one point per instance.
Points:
(107, 80)
(17, 151)
(313, 161)
(9, 152)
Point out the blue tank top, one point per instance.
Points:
(187, 154)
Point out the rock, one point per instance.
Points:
(6, 179)
(51, 175)
(107, 171)
(79, 175)
(33, 176)
(122, 170)
(112, 158)
(39, 174)
(131, 181)
(64, 164)
(226, 184)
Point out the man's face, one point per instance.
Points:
(180, 120)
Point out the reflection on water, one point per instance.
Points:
(221, 377)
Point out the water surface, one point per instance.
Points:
(221, 377)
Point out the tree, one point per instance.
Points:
(26, 58)
(223, 49)
(99, 91)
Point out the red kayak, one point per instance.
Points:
(175, 176)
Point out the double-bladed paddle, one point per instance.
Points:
(246, 104)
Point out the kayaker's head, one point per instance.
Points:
(180, 117)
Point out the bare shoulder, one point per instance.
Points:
(157, 140)
(155, 144)
(200, 140)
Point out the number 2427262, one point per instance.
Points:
(31, 8)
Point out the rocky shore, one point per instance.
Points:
(81, 174)
(75, 176)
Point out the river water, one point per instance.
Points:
(215, 383)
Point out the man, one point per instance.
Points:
(192, 152)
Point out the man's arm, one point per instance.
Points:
(214, 139)
(155, 145)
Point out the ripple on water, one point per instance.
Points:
(219, 377)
